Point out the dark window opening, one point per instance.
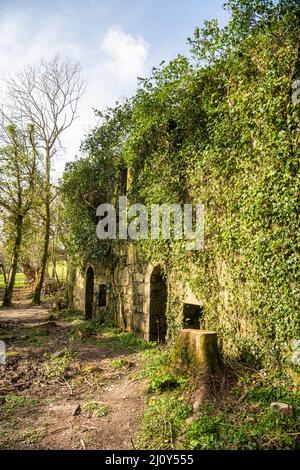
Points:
(102, 295)
(89, 293)
(193, 316)
(158, 306)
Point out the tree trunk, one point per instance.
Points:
(198, 350)
(71, 279)
(7, 301)
(38, 290)
(2, 267)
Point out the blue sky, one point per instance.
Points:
(115, 41)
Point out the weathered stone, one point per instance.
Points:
(140, 288)
(131, 255)
(129, 291)
(189, 296)
(139, 322)
(146, 306)
(124, 278)
(139, 277)
(282, 408)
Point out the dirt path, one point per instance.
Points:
(58, 391)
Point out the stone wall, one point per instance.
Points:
(129, 295)
(101, 277)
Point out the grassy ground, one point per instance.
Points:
(249, 423)
(236, 414)
(68, 383)
(19, 281)
(130, 394)
(61, 269)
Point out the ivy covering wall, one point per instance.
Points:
(220, 128)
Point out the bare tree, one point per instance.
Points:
(18, 185)
(47, 97)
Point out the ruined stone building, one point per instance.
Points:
(137, 295)
(150, 298)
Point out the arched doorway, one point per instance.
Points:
(89, 293)
(158, 306)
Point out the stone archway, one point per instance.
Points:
(89, 293)
(158, 305)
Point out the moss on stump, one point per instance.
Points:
(198, 350)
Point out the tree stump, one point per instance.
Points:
(198, 350)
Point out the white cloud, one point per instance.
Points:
(126, 54)
(111, 65)
(112, 74)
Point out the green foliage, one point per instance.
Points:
(113, 339)
(19, 179)
(218, 128)
(268, 392)
(120, 364)
(57, 366)
(60, 269)
(163, 420)
(158, 369)
(69, 314)
(13, 403)
(243, 418)
(36, 337)
(84, 329)
(30, 437)
(240, 418)
(228, 431)
(165, 381)
(154, 361)
(166, 409)
(97, 409)
(91, 181)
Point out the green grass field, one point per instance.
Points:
(61, 269)
(19, 281)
